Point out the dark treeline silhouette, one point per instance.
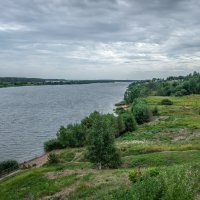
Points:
(15, 81)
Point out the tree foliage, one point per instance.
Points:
(177, 86)
(142, 112)
(101, 148)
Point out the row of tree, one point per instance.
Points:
(97, 132)
(172, 86)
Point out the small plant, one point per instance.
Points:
(53, 158)
(152, 172)
(166, 102)
(138, 175)
(135, 175)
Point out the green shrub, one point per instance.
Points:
(8, 166)
(121, 127)
(166, 102)
(152, 172)
(139, 175)
(129, 121)
(135, 176)
(52, 158)
(142, 112)
(72, 136)
(51, 145)
(181, 93)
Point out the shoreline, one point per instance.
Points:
(38, 161)
(67, 83)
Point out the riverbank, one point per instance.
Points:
(170, 142)
(32, 115)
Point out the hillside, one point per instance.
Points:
(169, 141)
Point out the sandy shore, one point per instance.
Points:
(38, 161)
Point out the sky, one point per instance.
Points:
(99, 39)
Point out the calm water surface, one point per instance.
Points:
(31, 115)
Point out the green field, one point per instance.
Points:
(171, 139)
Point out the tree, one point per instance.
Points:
(101, 148)
(72, 136)
(120, 125)
(129, 121)
(142, 112)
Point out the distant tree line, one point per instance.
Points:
(15, 81)
(172, 86)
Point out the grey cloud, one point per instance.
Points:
(117, 35)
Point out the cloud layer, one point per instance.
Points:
(98, 39)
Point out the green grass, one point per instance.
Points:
(190, 100)
(33, 184)
(162, 159)
(151, 147)
(171, 139)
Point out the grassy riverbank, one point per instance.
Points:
(170, 140)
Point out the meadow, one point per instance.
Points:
(169, 142)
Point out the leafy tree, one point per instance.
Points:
(52, 144)
(142, 112)
(132, 93)
(121, 126)
(178, 86)
(101, 148)
(72, 136)
(129, 121)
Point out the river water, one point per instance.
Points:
(31, 115)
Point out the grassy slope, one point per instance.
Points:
(171, 139)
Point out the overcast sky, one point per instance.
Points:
(99, 39)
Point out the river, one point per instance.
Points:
(33, 114)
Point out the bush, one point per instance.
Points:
(51, 145)
(52, 158)
(142, 112)
(8, 166)
(135, 176)
(72, 136)
(166, 102)
(181, 93)
(138, 175)
(155, 111)
(129, 121)
(121, 127)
